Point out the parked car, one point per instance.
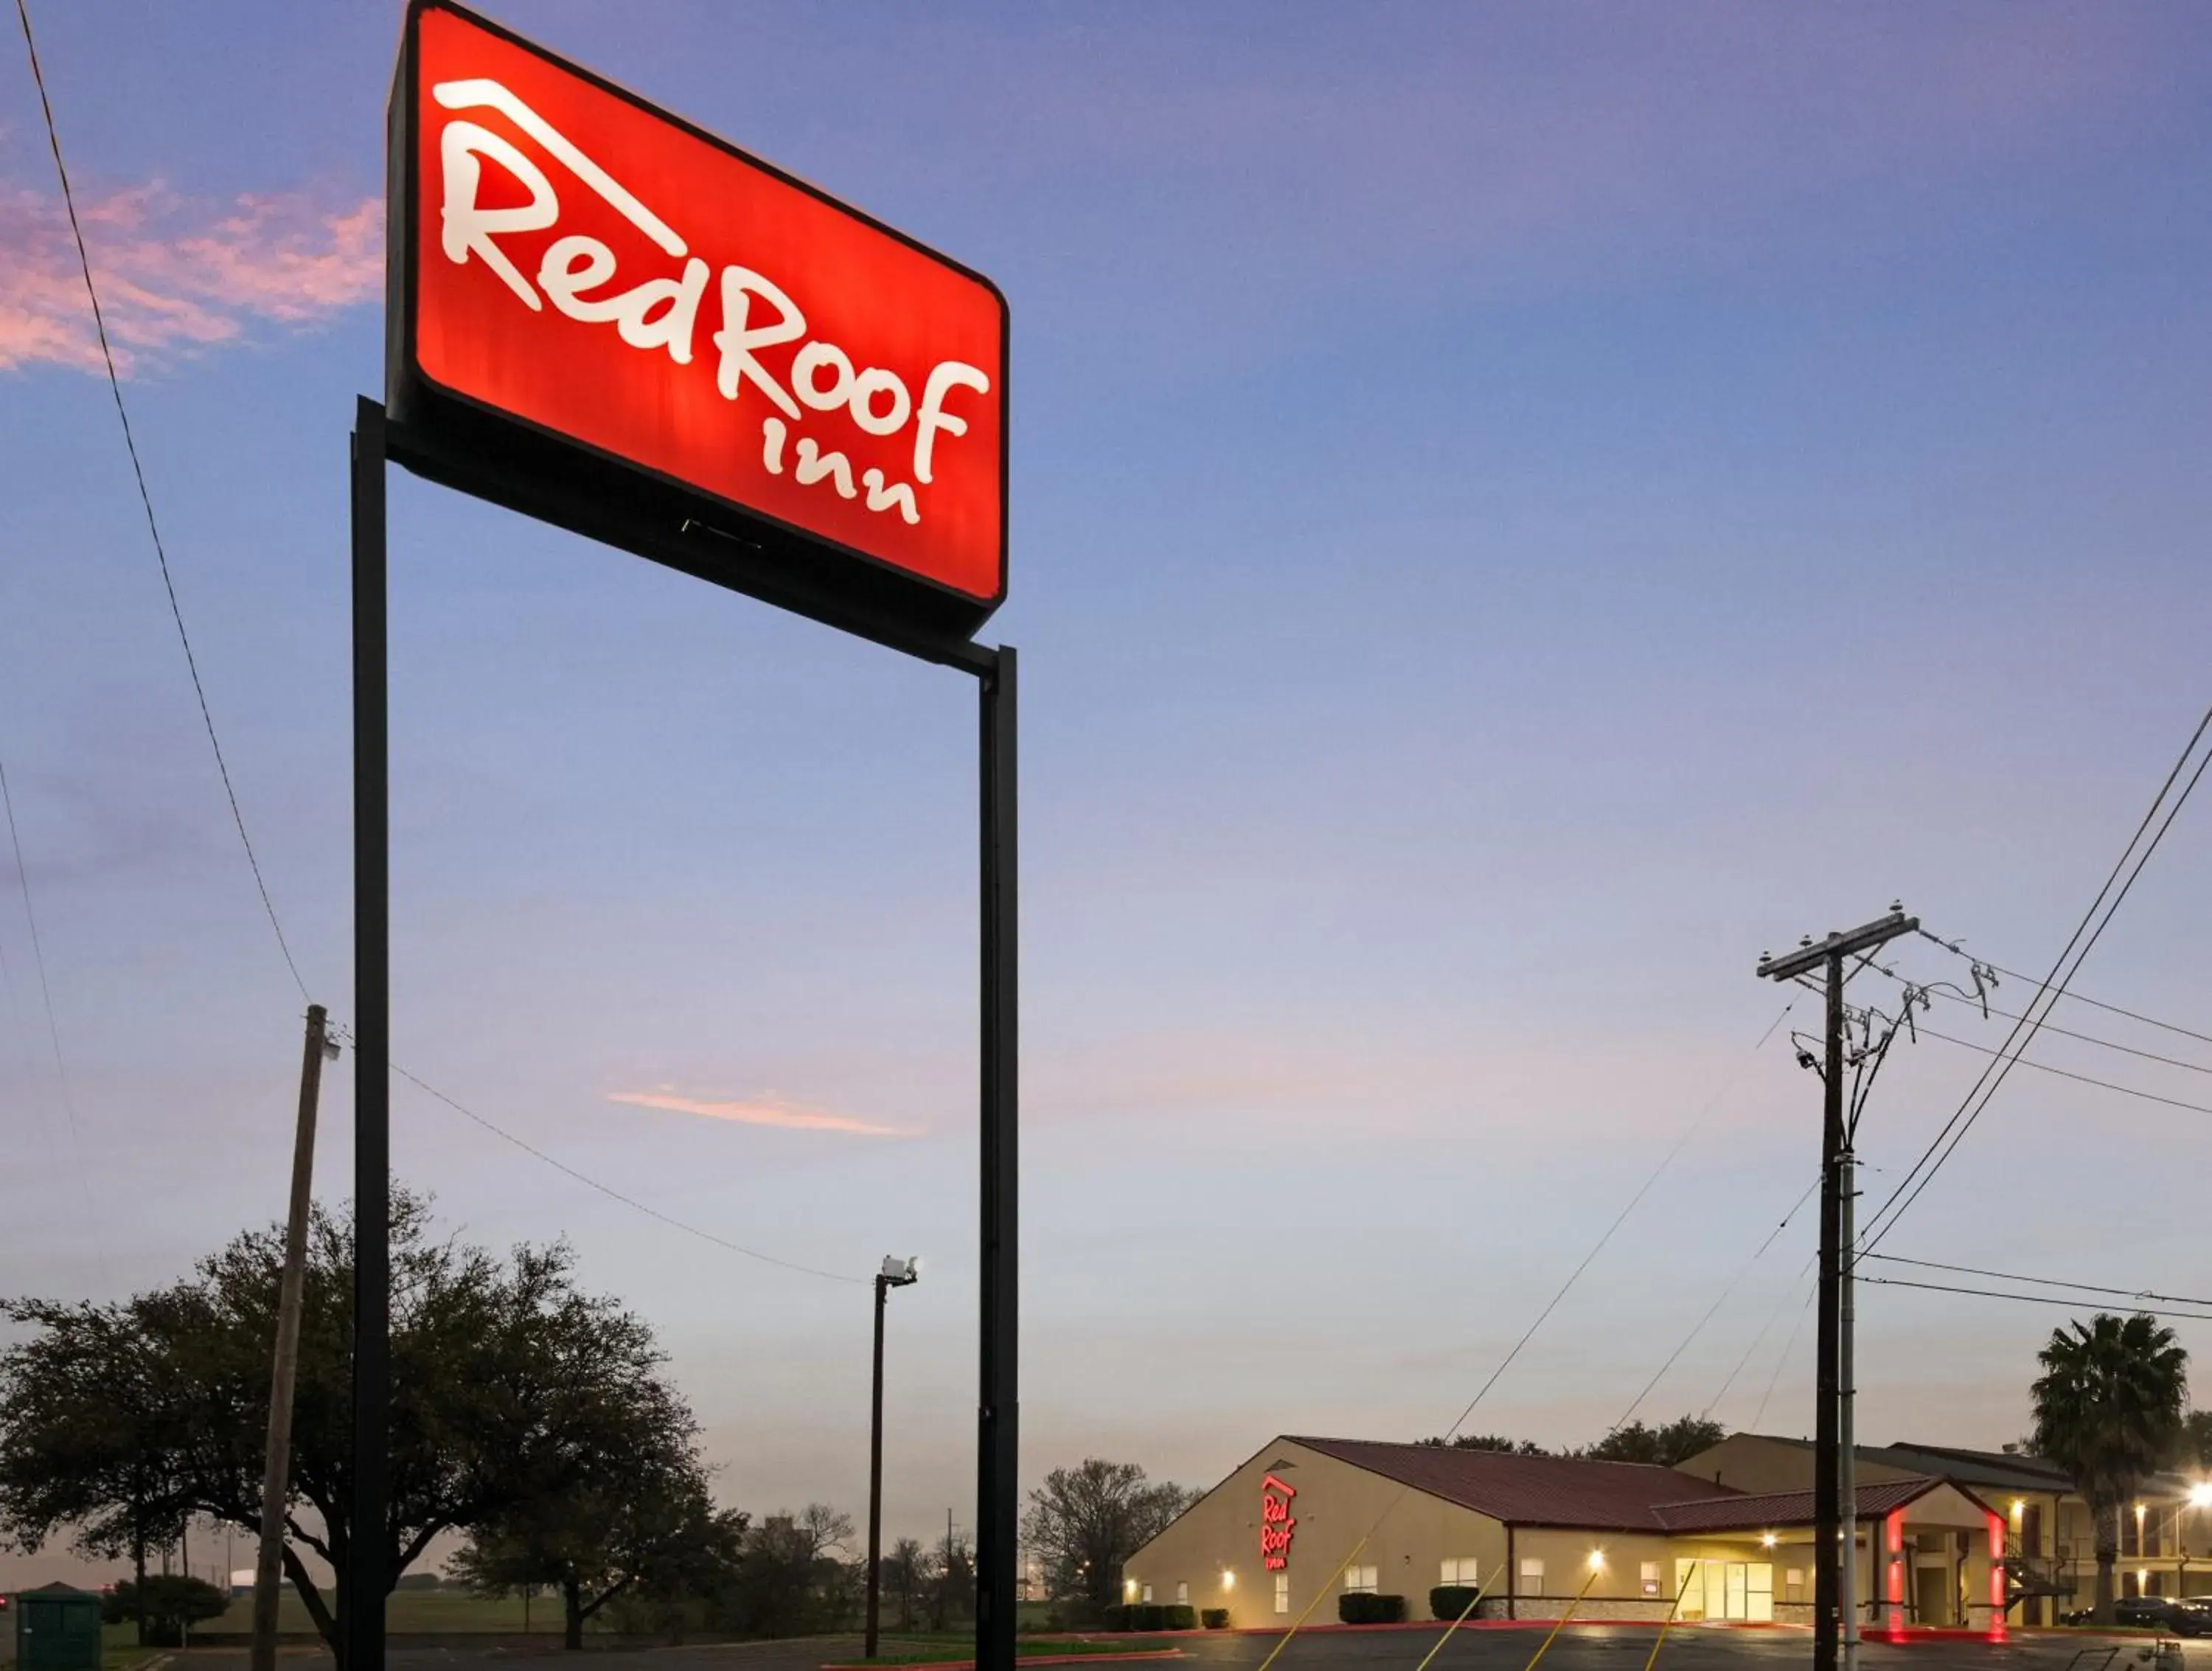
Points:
(2147, 1612)
(2154, 1612)
(2190, 1616)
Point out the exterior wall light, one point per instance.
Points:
(1597, 1560)
(2200, 1494)
(1766, 1540)
(1128, 1589)
(2019, 1508)
(1228, 1580)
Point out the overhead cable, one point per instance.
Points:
(631, 1202)
(1757, 1340)
(2048, 991)
(1957, 948)
(1943, 992)
(146, 500)
(1528, 1333)
(2079, 1079)
(2047, 1282)
(2031, 1299)
(53, 1026)
(1787, 1346)
(1712, 1310)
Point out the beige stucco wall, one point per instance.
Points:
(1211, 1554)
(1754, 1463)
(1337, 1504)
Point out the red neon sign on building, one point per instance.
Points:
(1276, 1523)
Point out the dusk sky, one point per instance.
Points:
(1514, 513)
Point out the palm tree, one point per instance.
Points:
(2108, 1410)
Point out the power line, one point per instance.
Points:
(1787, 1346)
(1574, 1275)
(1712, 1310)
(2050, 1027)
(1957, 949)
(2031, 1299)
(591, 1182)
(2047, 1282)
(1992, 1077)
(53, 1027)
(138, 473)
(2079, 1079)
(1757, 1340)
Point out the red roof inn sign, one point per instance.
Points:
(1276, 1523)
(595, 285)
(601, 316)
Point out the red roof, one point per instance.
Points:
(1768, 1509)
(1571, 1492)
(1584, 1495)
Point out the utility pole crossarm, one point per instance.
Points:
(1807, 958)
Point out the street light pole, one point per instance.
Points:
(896, 1273)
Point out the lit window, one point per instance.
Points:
(1466, 1570)
(1647, 1574)
(1282, 1592)
(1361, 1580)
(1147, 1596)
(1793, 1581)
(1183, 1594)
(1532, 1575)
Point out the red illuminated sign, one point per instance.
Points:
(684, 338)
(1276, 1523)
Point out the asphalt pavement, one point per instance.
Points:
(1577, 1648)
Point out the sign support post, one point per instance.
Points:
(997, 1458)
(361, 1624)
(998, 1408)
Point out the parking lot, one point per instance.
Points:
(1615, 1648)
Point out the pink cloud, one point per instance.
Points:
(176, 275)
(770, 1110)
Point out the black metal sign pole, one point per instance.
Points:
(998, 1415)
(363, 1625)
(997, 1454)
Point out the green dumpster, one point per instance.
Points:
(56, 1629)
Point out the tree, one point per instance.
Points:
(2193, 1446)
(1668, 1446)
(793, 1577)
(598, 1540)
(906, 1569)
(119, 1420)
(1084, 1522)
(612, 1495)
(1485, 1442)
(166, 1606)
(2108, 1409)
(950, 1573)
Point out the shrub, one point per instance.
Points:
(1115, 1616)
(1356, 1607)
(1178, 1616)
(1449, 1601)
(1215, 1618)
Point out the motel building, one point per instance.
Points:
(1729, 1532)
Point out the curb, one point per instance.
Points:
(1020, 1660)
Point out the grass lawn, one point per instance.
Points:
(413, 1610)
(119, 1649)
(935, 1650)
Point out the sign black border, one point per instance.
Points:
(497, 455)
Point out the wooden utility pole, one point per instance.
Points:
(276, 1474)
(1833, 1473)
